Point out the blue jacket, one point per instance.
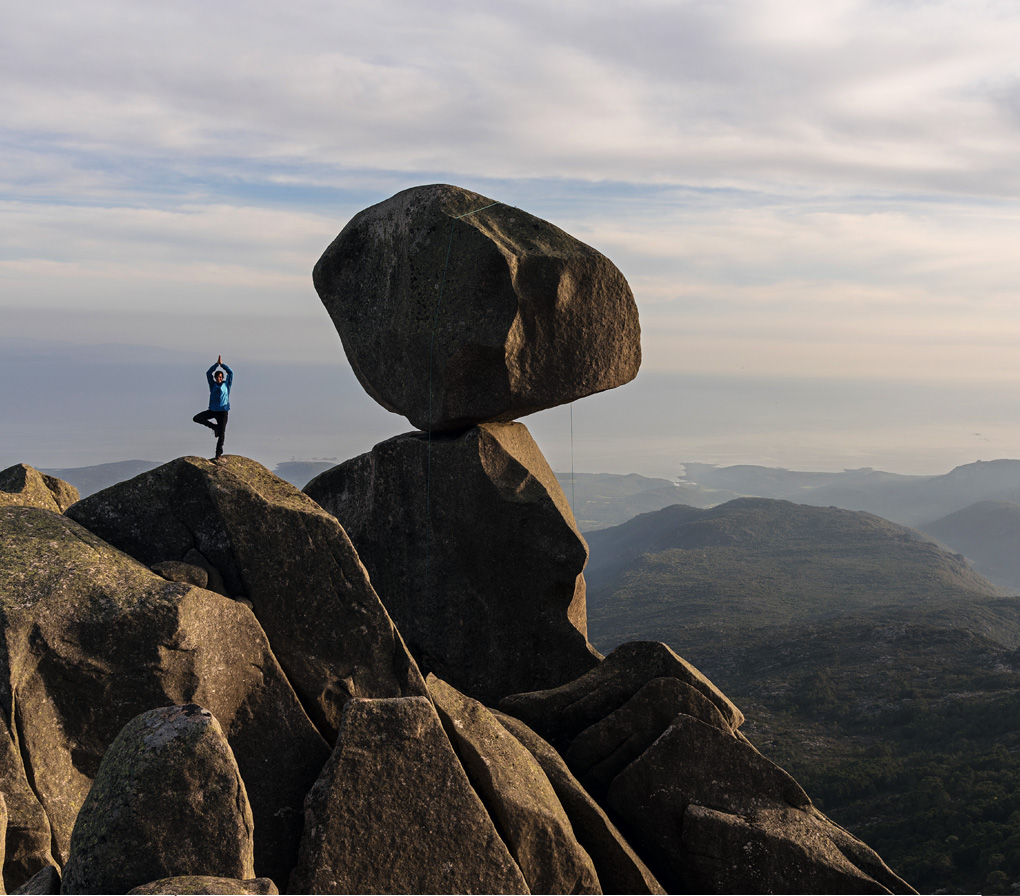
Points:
(219, 393)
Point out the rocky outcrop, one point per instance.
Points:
(271, 543)
(619, 868)
(225, 625)
(168, 800)
(394, 812)
(24, 486)
(659, 744)
(561, 714)
(455, 310)
(91, 638)
(518, 795)
(471, 545)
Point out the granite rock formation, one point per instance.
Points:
(659, 746)
(168, 800)
(92, 638)
(24, 486)
(200, 684)
(393, 812)
(472, 546)
(270, 543)
(455, 310)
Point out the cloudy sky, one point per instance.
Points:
(815, 203)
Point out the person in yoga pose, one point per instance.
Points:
(219, 402)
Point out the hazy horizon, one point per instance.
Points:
(815, 204)
(107, 403)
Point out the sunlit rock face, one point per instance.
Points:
(456, 310)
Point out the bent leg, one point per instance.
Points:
(204, 417)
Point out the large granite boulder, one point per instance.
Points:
(24, 486)
(479, 562)
(518, 795)
(290, 559)
(455, 310)
(394, 812)
(90, 638)
(168, 800)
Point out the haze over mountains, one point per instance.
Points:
(970, 509)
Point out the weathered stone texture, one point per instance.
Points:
(274, 545)
(90, 638)
(201, 884)
(394, 812)
(481, 568)
(452, 315)
(619, 868)
(24, 486)
(560, 714)
(517, 794)
(45, 882)
(168, 800)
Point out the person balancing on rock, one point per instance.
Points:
(219, 402)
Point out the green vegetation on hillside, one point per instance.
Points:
(875, 667)
(908, 735)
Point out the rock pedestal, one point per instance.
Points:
(479, 563)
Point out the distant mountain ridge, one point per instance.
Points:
(875, 663)
(684, 574)
(910, 500)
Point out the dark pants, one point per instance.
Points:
(219, 427)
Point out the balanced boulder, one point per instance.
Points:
(478, 561)
(168, 800)
(293, 561)
(394, 812)
(456, 310)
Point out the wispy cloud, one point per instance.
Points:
(792, 187)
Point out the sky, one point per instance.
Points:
(816, 205)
